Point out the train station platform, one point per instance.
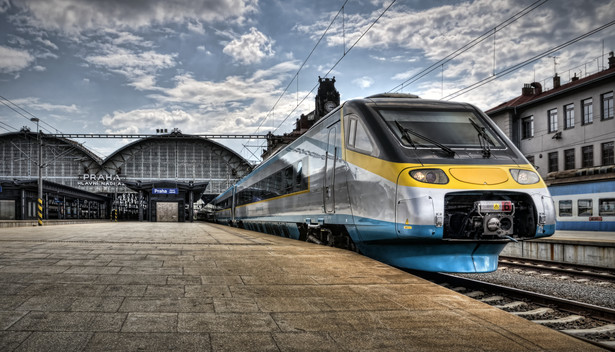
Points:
(593, 248)
(196, 286)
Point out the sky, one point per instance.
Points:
(244, 67)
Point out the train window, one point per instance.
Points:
(299, 176)
(565, 208)
(288, 180)
(358, 138)
(585, 207)
(457, 129)
(606, 207)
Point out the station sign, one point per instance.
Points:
(165, 191)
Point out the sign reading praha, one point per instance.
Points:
(99, 180)
(165, 191)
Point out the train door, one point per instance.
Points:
(330, 164)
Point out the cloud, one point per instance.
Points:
(250, 48)
(35, 104)
(145, 119)
(76, 16)
(13, 60)
(363, 82)
(139, 68)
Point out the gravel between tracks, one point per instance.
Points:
(592, 292)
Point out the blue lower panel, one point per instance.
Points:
(586, 225)
(459, 257)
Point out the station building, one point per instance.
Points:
(568, 133)
(158, 178)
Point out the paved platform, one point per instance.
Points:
(202, 287)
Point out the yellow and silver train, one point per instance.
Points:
(418, 184)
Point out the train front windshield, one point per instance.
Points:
(453, 129)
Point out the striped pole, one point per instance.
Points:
(39, 213)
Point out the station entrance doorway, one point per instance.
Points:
(167, 201)
(167, 211)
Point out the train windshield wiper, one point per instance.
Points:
(483, 139)
(406, 132)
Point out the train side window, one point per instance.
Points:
(288, 180)
(606, 206)
(299, 176)
(358, 137)
(585, 207)
(565, 208)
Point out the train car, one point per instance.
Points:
(585, 206)
(418, 184)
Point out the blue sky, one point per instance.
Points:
(219, 66)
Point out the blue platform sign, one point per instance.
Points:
(165, 191)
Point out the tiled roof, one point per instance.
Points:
(528, 99)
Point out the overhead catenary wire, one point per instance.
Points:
(526, 62)
(469, 45)
(338, 61)
(14, 107)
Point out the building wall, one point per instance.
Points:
(544, 142)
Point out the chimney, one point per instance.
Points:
(575, 78)
(527, 90)
(556, 81)
(611, 60)
(537, 88)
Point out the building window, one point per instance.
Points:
(565, 208)
(585, 207)
(587, 156)
(606, 207)
(568, 159)
(569, 116)
(530, 159)
(552, 120)
(527, 127)
(607, 154)
(607, 106)
(588, 111)
(553, 162)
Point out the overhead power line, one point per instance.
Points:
(469, 45)
(526, 62)
(14, 107)
(338, 61)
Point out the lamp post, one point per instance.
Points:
(39, 212)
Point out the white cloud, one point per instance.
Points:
(39, 68)
(139, 68)
(76, 16)
(250, 48)
(13, 60)
(35, 104)
(196, 27)
(145, 119)
(363, 82)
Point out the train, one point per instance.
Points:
(418, 184)
(588, 205)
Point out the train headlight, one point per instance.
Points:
(524, 177)
(436, 176)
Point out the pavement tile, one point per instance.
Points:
(207, 291)
(226, 322)
(103, 342)
(96, 304)
(8, 318)
(11, 302)
(150, 322)
(225, 280)
(69, 321)
(10, 340)
(174, 291)
(55, 342)
(312, 321)
(288, 304)
(132, 279)
(184, 280)
(12, 288)
(47, 303)
(245, 342)
(227, 305)
(124, 290)
(305, 341)
(167, 305)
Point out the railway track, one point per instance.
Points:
(588, 271)
(591, 323)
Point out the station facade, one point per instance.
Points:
(568, 133)
(158, 178)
